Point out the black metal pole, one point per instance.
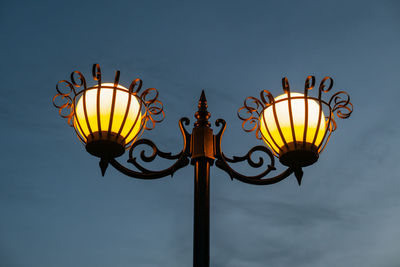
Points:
(201, 228)
(203, 154)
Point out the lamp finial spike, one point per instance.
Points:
(103, 166)
(202, 115)
(203, 96)
(298, 172)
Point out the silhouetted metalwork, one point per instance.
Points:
(202, 147)
(223, 162)
(205, 149)
(182, 158)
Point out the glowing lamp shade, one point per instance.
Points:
(107, 119)
(297, 133)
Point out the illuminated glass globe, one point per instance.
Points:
(295, 138)
(107, 119)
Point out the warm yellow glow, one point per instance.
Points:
(121, 106)
(298, 112)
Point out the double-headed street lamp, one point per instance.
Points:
(109, 119)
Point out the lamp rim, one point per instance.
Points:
(299, 154)
(267, 105)
(105, 144)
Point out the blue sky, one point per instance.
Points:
(56, 208)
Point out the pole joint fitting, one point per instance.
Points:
(202, 145)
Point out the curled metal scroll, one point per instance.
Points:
(250, 114)
(155, 110)
(223, 161)
(182, 158)
(341, 104)
(64, 100)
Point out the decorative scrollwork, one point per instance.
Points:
(64, 102)
(96, 73)
(249, 158)
(81, 79)
(136, 83)
(267, 101)
(309, 84)
(250, 113)
(223, 161)
(182, 158)
(342, 105)
(323, 87)
(155, 152)
(285, 85)
(155, 110)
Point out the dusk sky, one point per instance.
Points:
(58, 211)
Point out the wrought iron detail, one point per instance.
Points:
(66, 101)
(182, 158)
(223, 161)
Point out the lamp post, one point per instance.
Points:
(109, 118)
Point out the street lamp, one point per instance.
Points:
(109, 119)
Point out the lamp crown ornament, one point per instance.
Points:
(202, 115)
(202, 137)
(295, 126)
(107, 117)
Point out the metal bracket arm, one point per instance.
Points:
(182, 158)
(222, 162)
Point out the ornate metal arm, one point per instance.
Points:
(182, 158)
(223, 161)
